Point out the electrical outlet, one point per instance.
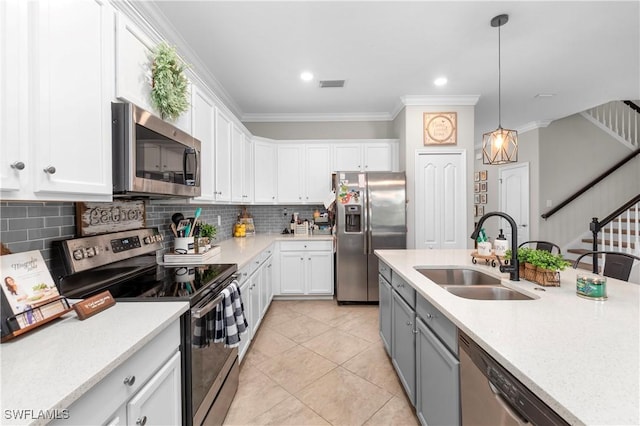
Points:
(219, 221)
(284, 212)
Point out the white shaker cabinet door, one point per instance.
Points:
(290, 184)
(160, 400)
(347, 157)
(202, 117)
(223, 157)
(72, 67)
(317, 173)
(319, 271)
(378, 157)
(237, 165)
(264, 178)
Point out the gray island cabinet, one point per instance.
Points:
(423, 347)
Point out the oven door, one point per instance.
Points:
(214, 368)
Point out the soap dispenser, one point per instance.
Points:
(484, 245)
(500, 245)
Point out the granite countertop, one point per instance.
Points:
(51, 367)
(582, 357)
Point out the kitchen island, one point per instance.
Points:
(45, 371)
(581, 357)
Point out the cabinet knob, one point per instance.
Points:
(299, 198)
(141, 421)
(18, 165)
(130, 380)
(273, 198)
(409, 323)
(49, 170)
(430, 316)
(257, 262)
(302, 258)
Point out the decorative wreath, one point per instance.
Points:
(168, 83)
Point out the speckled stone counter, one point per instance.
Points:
(582, 357)
(50, 368)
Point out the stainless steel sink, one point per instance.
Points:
(471, 284)
(489, 292)
(458, 276)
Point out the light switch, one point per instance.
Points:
(219, 221)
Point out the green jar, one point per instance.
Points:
(592, 287)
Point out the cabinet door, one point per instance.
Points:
(319, 272)
(14, 166)
(223, 157)
(203, 110)
(437, 380)
(385, 312)
(347, 157)
(71, 89)
(317, 173)
(160, 400)
(237, 165)
(245, 339)
(378, 157)
(266, 291)
(247, 177)
(292, 277)
(254, 289)
(290, 184)
(403, 344)
(264, 161)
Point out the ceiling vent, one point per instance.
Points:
(331, 83)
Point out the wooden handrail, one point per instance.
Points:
(599, 224)
(632, 105)
(590, 184)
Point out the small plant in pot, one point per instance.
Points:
(208, 233)
(547, 267)
(523, 256)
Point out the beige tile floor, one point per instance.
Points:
(317, 363)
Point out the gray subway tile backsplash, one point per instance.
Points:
(26, 226)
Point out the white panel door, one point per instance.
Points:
(203, 110)
(72, 87)
(317, 173)
(514, 198)
(440, 201)
(223, 157)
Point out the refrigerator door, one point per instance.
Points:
(351, 254)
(386, 220)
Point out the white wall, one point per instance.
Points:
(323, 130)
(414, 140)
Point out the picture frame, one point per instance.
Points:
(483, 198)
(476, 177)
(475, 210)
(440, 128)
(483, 175)
(483, 186)
(480, 211)
(476, 198)
(476, 187)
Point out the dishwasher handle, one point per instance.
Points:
(515, 415)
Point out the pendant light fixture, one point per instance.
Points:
(501, 145)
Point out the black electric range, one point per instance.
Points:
(124, 263)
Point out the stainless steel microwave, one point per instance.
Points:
(152, 158)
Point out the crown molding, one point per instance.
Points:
(301, 117)
(433, 100)
(533, 125)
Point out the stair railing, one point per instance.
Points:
(620, 118)
(588, 186)
(628, 213)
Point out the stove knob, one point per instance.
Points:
(159, 237)
(78, 255)
(91, 251)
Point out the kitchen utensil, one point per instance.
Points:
(174, 229)
(176, 218)
(195, 219)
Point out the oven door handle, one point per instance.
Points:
(201, 311)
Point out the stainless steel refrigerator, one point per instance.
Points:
(370, 214)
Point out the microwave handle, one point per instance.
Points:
(187, 152)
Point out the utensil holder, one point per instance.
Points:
(184, 245)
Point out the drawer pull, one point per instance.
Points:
(130, 380)
(430, 316)
(18, 165)
(142, 421)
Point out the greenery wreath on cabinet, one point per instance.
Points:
(168, 82)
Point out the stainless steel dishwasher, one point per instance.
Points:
(492, 396)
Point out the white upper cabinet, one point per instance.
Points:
(134, 55)
(304, 172)
(241, 187)
(203, 116)
(290, 173)
(366, 156)
(264, 167)
(223, 157)
(61, 128)
(317, 172)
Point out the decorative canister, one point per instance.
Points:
(591, 286)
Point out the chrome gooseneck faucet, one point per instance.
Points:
(512, 268)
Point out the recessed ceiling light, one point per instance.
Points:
(306, 76)
(440, 81)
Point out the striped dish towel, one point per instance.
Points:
(230, 322)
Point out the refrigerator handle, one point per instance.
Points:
(369, 249)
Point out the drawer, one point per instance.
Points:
(324, 245)
(384, 270)
(404, 289)
(446, 331)
(246, 271)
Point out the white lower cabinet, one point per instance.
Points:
(147, 385)
(306, 268)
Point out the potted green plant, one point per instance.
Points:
(523, 256)
(547, 267)
(207, 233)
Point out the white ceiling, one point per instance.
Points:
(584, 52)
